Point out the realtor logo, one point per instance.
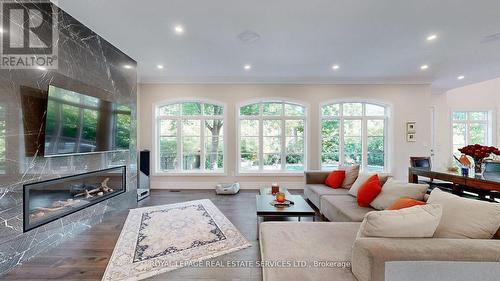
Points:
(29, 35)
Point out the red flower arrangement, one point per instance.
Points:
(478, 153)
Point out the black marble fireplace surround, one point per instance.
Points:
(49, 200)
(87, 64)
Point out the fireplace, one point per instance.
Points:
(50, 200)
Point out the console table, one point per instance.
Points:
(486, 182)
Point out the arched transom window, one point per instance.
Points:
(272, 136)
(190, 137)
(354, 133)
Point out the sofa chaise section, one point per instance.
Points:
(307, 241)
(343, 209)
(315, 188)
(370, 255)
(314, 192)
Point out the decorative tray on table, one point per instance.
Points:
(277, 204)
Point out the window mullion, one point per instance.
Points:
(341, 141)
(283, 144)
(202, 144)
(180, 141)
(364, 143)
(261, 143)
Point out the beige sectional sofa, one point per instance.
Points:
(337, 243)
(334, 204)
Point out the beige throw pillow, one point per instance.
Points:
(465, 218)
(351, 174)
(394, 189)
(362, 178)
(414, 222)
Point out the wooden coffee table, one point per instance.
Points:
(299, 209)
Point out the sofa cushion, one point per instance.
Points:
(351, 174)
(335, 179)
(413, 222)
(313, 192)
(369, 191)
(370, 255)
(309, 242)
(464, 217)
(362, 178)
(394, 189)
(342, 208)
(402, 203)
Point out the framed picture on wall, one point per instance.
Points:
(410, 137)
(411, 127)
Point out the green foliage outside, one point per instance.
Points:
(352, 146)
(191, 154)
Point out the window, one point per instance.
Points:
(353, 133)
(470, 127)
(272, 137)
(190, 137)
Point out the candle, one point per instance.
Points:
(280, 197)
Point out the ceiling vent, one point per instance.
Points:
(491, 38)
(248, 36)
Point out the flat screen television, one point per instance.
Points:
(76, 124)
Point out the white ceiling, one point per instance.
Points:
(373, 41)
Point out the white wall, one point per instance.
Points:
(480, 96)
(408, 103)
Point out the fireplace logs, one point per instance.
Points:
(84, 191)
(101, 190)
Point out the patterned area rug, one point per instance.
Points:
(163, 238)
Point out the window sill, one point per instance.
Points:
(270, 174)
(189, 174)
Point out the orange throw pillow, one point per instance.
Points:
(335, 179)
(402, 203)
(369, 191)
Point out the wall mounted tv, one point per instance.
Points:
(78, 124)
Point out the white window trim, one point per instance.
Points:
(156, 134)
(364, 137)
(490, 128)
(260, 117)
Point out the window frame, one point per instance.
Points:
(364, 132)
(489, 125)
(261, 118)
(156, 141)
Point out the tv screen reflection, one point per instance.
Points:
(77, 123)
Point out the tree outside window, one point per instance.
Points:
(272, 137)
(190, 137)
(470, 127)
(353, 133)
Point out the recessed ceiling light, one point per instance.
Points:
(127, 66)
(335, 66)
(461, 77)
(432, 37)
(42, 68)
(1, 30)
(179, 29)
(424, 67)
(247, 67)
(160, 66)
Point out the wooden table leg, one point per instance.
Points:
(412, 178)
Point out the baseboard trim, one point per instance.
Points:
(211, 185)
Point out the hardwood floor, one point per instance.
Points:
(85, 256)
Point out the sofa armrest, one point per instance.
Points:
(316, 177)
(370, 254)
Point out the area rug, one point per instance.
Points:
(158, 239)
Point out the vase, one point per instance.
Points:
(478, 166)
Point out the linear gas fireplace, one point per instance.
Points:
(49, 200)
